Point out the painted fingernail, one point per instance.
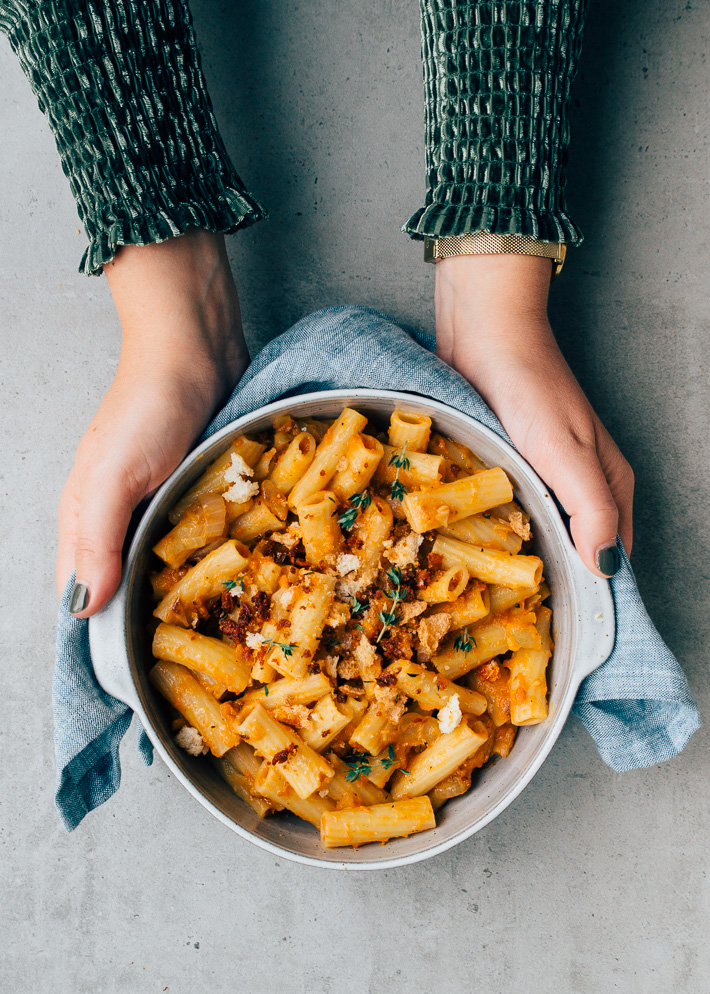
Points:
(608, 559)
(79, 598)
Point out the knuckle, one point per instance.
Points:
(86, 550)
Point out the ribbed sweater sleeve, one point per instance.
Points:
(497, 81)
(121, 84)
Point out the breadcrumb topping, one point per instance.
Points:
(404, 553)
(431, 631)
(449, 717)
(238, 474)
(346, 563)
(189, 739)
(254, 640)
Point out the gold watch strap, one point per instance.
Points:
(485, 243)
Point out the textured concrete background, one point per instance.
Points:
(591, 881)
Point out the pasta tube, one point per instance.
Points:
(488, 639)
(328, 454)
(218, 660)
(453, 501)
(196, 705)
(324, 724)
(300, 765)
(273, 786)
(362, 458)
(410, 430)
(307, 615)
(372, 528)
(374, 732)
(424, 469)
(293, 462)
(238, 767)
(456, 454)
(447, 586)
(470, 606)
(432, 691)
(356, 826)
(288, 690)
(202, 523)
(487, 532)
(350, 793)
(184, 603)
(213, 480)
(322, 538)
(504, 598)
(528, 683)
(260, 518)
(489, 565)
(493, 681)
(436, 762)
(263, 466)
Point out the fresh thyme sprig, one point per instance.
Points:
(464, 643)
(361, 765)
(231, 584)
(399, 459)
(285, 647)
(396, 594)
(358, 502)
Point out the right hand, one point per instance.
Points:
(492, 326)
(183, 351)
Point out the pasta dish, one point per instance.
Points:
(349, 622)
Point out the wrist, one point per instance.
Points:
(491, 305)
(179, 311)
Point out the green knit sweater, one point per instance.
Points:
(121, 84)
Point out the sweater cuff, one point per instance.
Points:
(442, 220)
(497, 80)
(122, 87)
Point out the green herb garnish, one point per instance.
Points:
(464, 643)
(231, 584)
(396, 594)
(285, 647)
(361, 765)
(399, 459)
(358, 503)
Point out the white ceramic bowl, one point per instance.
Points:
(583, 630)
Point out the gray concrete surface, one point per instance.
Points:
(591, 882)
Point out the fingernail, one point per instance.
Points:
(608, 559)
(79, 598)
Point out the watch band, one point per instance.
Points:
(485, 243)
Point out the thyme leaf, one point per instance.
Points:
(285, 647)
(464, 643)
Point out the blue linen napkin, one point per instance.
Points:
(637, 706)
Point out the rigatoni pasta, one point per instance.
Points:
(350, 622)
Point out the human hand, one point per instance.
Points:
(183, 351)
(492, 327)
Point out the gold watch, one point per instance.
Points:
(484, 243)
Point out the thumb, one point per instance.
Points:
(104, 514)
(581, 487)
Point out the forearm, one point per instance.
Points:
(497, 89)
(122, 87)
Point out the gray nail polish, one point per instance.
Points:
(79, 598)
(608, 560)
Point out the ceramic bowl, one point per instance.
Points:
(583, 618)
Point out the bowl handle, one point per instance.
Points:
(596, 619)
(107, 641)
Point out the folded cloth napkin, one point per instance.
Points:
(637, 706)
